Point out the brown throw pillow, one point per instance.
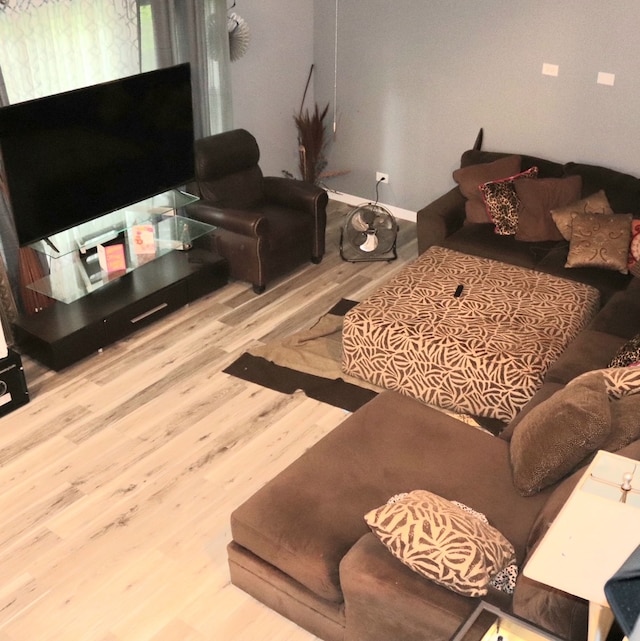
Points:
(600, 241)
(597, 203)
(537, 199)
(471, 177)
(442, 541)
(560, 433)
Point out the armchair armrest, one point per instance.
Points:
(306, 197)
(296, 194)
(239, 221)
(439, 219)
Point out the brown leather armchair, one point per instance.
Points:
(266, 226)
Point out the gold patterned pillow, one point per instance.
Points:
(598, 240)
(597, 203)
(441, 541)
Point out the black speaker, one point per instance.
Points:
(13, 387)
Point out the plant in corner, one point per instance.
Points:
(311, 138)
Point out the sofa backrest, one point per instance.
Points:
(623, 190)
(547, 168)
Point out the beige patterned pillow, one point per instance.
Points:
(442, 542)
(619, 380)
(597, 203)
(601, 241)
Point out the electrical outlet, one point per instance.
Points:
(380, 177)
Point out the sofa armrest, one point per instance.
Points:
(239, 221)
(439, 219)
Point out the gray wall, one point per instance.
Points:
(418, 78)
(268, 82)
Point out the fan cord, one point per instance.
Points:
(377, 196)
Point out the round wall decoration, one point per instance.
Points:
(239, 36)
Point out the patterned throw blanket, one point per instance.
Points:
(468, 334)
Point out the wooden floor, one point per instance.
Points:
(119, 476)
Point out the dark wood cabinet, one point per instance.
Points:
(64, 333)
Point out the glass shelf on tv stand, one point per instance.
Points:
(133, 236)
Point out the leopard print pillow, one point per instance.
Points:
(502, 202)
(441, 541)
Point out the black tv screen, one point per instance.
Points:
(77, 155)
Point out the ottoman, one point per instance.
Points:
(465, 333)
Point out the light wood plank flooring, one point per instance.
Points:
(119, 476)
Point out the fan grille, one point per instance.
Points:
(369, 233)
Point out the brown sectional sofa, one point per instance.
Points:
(301, 545)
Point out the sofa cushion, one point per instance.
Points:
(620, 316)
(441, 541)
(607, 282)
(502, 203)
(600, 240)
(481, 240)
(551, 609)
(305, 519)
(623, 190)
(537, 199)
(387, 600)
(559, 434)
(546, 391)
(591, 349)
(597, 203)
(472, 177)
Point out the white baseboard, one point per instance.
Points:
(398, 212)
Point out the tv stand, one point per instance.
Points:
(48, 241)
(63, 334)
(114, 275)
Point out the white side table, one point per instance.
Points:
(594, 533)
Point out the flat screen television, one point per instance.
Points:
(77, 155)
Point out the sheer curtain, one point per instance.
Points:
(193, 31)
(57, 45)
(49, 46)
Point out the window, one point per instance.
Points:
(49, 46)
